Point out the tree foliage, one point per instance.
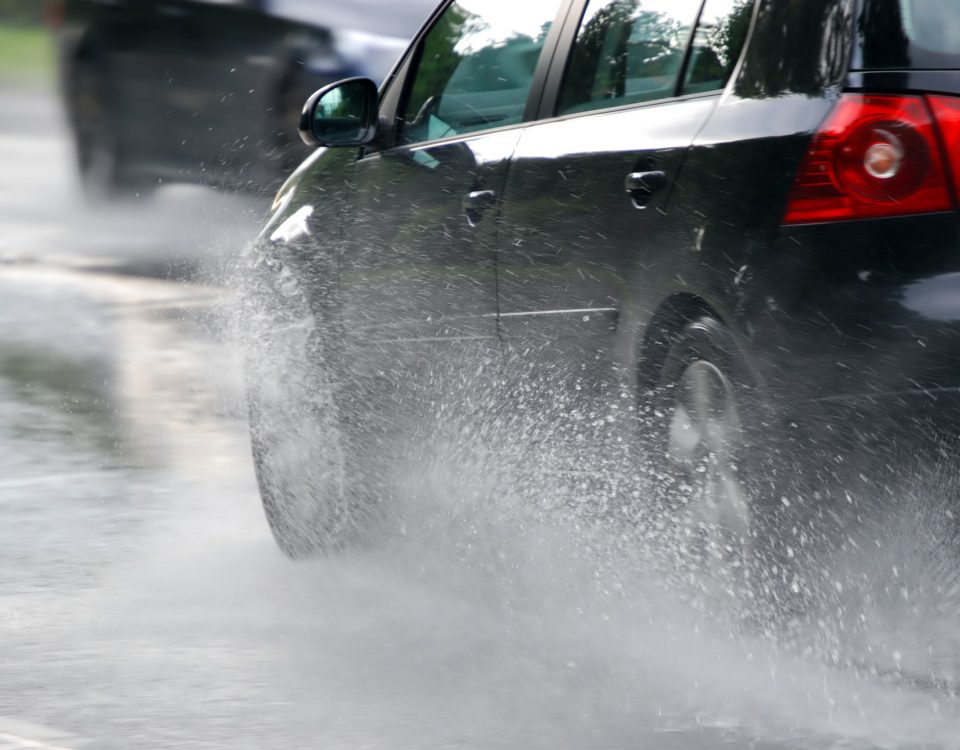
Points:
(21, 12)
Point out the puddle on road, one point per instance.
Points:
(116, 369)
(61, 399)
(108, 409)
(499, 629)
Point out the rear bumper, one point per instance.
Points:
(864, 443)
(864, 313)
(931, 412)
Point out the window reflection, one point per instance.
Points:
(719, 39)
(476, 67)
(627, 51)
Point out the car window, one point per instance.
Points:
(627, 51)
(475, 67)
(721, 33)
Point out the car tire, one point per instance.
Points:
(710, 437)
(99, 160)
(299, 456)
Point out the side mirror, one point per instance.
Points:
(341, 114)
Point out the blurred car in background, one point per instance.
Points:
(209, 91)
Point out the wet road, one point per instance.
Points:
(143, 603)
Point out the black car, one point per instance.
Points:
(726, 234)
(204, 91)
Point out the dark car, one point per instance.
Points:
(205, 91)
(725, 234)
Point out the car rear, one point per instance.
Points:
(872, 210)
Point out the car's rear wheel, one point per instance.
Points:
(706, 436)
(301, 464)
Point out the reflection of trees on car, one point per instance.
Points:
(718, 46)
(656, 36)
(507, 65)
(593, 50)
(816, 36)
(439, 58)
(623, 50)
(472, 73)
(728, 36)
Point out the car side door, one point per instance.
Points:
(418, 269)
(587, 199)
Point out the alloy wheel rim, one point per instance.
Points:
(705, 437)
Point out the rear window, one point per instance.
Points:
(912, 34)
(627, 51)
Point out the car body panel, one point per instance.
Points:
(574, 241)
(732, 192)
(416, 267)
(834, 320)
(907, 34)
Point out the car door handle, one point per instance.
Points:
(645, 182)
(476, 202)
(642, 185)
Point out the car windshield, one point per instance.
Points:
(913, 34)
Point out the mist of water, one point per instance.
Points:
(520, 542)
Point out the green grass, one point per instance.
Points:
(26, 56)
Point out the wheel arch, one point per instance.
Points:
(665, 327)
(667, 323)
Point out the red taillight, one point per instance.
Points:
(946, 111)
(874, 156)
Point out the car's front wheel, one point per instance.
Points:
(301, 464)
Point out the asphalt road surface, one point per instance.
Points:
(143, 603)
